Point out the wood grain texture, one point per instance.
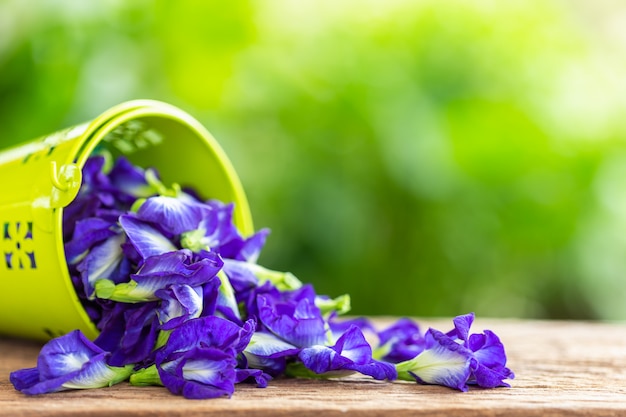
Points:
(562, 369)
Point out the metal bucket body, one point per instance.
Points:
(40, 178)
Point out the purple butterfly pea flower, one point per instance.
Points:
(245, 249)
(87, 233)
(104, 261)
(199, 373)
(241, 275)
(146, 238)
(179, 303)
(159, 272)
(174, 215)
(94, 177)
(214, 230)
(351, 353)
(246, 276)
(128, 182)
(199, 359)
(269, 353)
(489, 357)
(457, 358)
(400, 342)
(261, 378)
(90, 196)
(129, 332)
(68, 362)
(292, 316)
(443, 362)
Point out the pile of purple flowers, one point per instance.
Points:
(180, 301)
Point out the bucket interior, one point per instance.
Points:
(180, 149)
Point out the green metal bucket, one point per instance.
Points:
(41, 177)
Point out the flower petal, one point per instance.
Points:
(401, 341)
(265, 344)
(298, 322)
(159, 272)
(208, 331)
(146, 239)
(488, 349)
(129, 333)
(247, 250)
(443, 362)
(350, 353)
(179, 302)
(173, 214)
(200, 374)
(87, 233)
(66, 354)
(462, 326)
(259, 376)
(322, 359)
(23, 379)
(102, 262)
(486, 377)
(96, 374)
(68, 362)
(129, 179)
(352, 345)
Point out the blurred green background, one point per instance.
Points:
(427, 157)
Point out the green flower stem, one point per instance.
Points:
(283, 281)
(113, 375)
(193, 240)
(341, 304)
(298, 370)
(135, 207)
(159, 187)
(381, 351)
(162, 338)
(125, 292)
(121, 374)
(414, 364)
(146, 377)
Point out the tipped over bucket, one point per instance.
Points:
(41, 177)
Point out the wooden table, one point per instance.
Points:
(562, 369)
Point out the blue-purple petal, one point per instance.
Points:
(87, 233)
(129, 179)
(486, 377)
(179, 303)
(129, 333)
(103, 262)
(350, 353)
(66, 354)
(443, 362)
(206, 331)
(247, 250)
(179, 267)
(401, 341)
(462, 326)
(297, 322)
(261, 378)
(172, 214)
(23, 379)
(147, 240)
(352, 345)
(200, 373)
(68, 362)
